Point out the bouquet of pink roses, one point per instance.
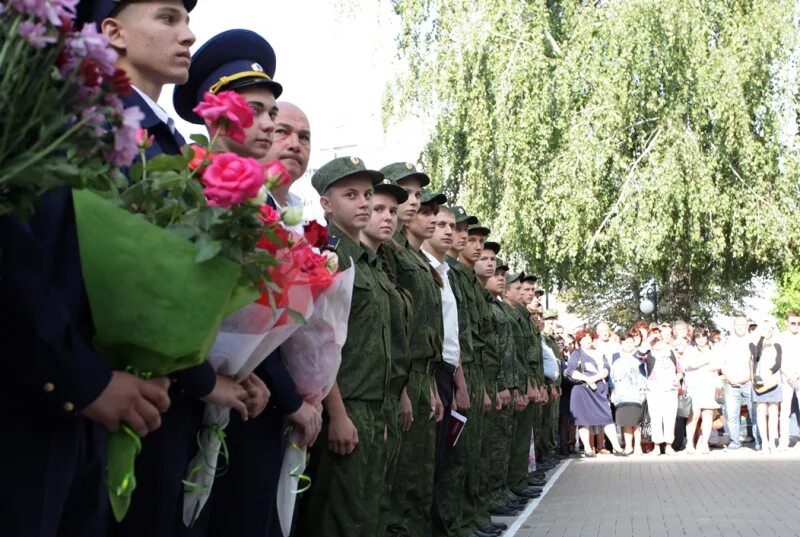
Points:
(61, 118)
(169, 256)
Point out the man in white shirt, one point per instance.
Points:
(737, 380)
(790, 371)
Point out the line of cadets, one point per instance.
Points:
(382, 464)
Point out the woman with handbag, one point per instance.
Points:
(766, 357)
(701, 380)
(589, 400)
(664, 374)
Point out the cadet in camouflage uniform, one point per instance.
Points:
(550, 432)
(412, 487)
(377, 236)
(473, 372)
(497, 364)
(348, 462)
(541, 395)
(523, 418)
(501, 430)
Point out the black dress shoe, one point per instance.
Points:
(479, 533)
(491, 530)
(504, 511)
(500, 526)
(537, 482)
(527, 494)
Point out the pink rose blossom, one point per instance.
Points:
(277, 174)
(228, 112)
(36, 34)
(230, 179)
(143, 141)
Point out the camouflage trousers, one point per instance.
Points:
(474, 476)
(344, 498)
(499, 430)
(409, 506)
(520, 449)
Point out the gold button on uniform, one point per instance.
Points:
(49, 387)
(69, 407)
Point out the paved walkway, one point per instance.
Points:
(723, 494)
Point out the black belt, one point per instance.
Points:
(450, 369)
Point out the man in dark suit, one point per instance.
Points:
(242, 500)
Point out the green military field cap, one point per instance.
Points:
(493, 246)
(461, 215)
(530, 278)
(550, 314)
(342, 168)
(500, 265)
(433, 197)
(511, 278)
(404, 170)
(388, 187)
(477, 229)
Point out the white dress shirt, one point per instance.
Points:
(451, 351)
(157, 110)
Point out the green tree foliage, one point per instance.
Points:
(788, 297)
(638, 137)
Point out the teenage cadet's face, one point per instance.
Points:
(526, 295)
(383, 220)
(628, 345)
(442, 239)
(474, 247)
(548, 325)
(500, 277)
(153, 39)
(484, 266)
(258, 137)
(348, 202)
(409, 209)
(291, 141)
(511, 293)
(423, 225)
(495, 285)
(460, 237)
(793, 322)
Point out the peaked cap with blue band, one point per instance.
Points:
(98, 10)
(231, 60)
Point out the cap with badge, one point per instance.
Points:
(231, 60)
(461, 215)
(500, 265)
(342, 168)
(97, 11)
(388, 187)
(550, 314)
(432, 197)
(404, 170)
(477, 229)
(515, 277)
(493, 246)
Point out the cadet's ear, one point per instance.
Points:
(326, 204)
(113, 30)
